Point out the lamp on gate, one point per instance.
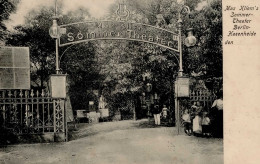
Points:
(190, 40)
(55, 33)
(54, 30)
(182, 85)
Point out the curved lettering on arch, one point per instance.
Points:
(116, 30)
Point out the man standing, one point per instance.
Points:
(156, 114)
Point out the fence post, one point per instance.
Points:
(176, 107)
(59, 120)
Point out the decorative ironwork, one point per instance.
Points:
(197, 94)
(26, 111)
(59, 117)
(122, 12)
(119, 30)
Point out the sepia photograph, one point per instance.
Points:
(113, 81)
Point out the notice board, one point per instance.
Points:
(183, 87)
(58, 86)
(14, 68)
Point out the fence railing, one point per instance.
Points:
(204, 96)
(26, 111)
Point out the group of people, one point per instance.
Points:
(198, 121)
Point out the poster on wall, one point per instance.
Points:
(183, 87)
(14, 68)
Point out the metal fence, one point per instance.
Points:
(204, 96)
(27, 111)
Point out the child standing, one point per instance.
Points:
(187, 122)
(196, 122)
(164, 111)
(205, 124)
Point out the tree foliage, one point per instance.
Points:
(117, 68)
(205, 59)
(75, 61)
(6, 8)
(35, 35)
(207, 55)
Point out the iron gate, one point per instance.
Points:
(32, 112)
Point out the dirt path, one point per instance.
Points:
(124, 142)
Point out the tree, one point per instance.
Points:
(207, 56)
(117, 67)
(76, 61)
(34, 34)
(6, 8)
(79, 62)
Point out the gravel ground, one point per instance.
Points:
(123, 142)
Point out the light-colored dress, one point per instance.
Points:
(164, 111)
(197, 128)
(205, 121)
(186, 118)
(197, 124)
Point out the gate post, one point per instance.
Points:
(176, 103)
(182, 90)
(60, 133)
(58, 93)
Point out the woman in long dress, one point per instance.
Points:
(217, 108)
(197, 128)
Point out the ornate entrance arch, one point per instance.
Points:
(74, 33)
(79, 32)
(118, 30)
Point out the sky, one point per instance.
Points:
(97, 8)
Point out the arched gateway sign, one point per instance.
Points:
(117, 30)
